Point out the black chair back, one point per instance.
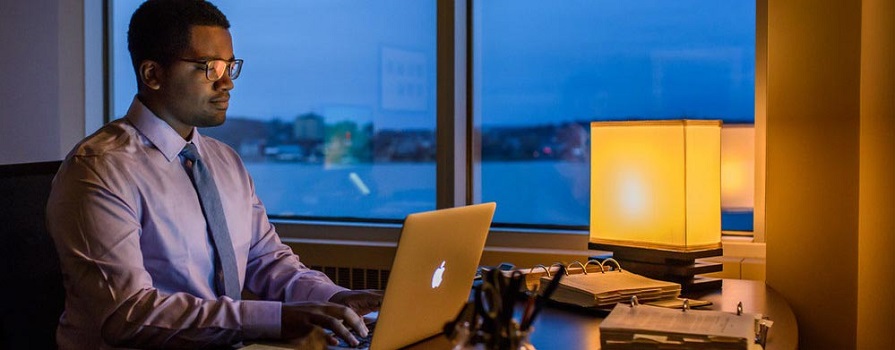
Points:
(33, 295)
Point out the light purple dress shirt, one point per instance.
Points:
(136, 257)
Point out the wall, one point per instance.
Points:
(29, 89)
(42, 92)
(813, 116)
(829, 160)
(876, 227)
(380, 256)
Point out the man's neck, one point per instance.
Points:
(160, 112)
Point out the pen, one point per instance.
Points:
(529, 308)
(511, 294)
(541, 299)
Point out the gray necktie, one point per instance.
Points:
(226, 274)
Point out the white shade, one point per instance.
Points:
(656, 183)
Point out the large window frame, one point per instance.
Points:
(456, 143)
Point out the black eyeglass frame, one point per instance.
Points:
(233, 68)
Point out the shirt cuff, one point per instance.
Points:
(324, 292)
(261, 319)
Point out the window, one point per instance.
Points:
(335, 110)
(544, 70)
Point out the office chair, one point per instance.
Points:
(32, 294)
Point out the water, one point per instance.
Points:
(528, 192)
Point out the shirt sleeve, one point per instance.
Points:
(94, 222)
(274, 272)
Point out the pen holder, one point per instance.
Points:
(489, 321)
(469, 339)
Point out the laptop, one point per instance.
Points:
(431, 276)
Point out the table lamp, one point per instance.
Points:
(737, 177)
(656, 197)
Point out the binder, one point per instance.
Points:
(601, 284)
(637, 326)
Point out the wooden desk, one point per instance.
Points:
(569, 328)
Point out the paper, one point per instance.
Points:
(678, 303)
(606, 289)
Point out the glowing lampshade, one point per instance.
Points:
(656, 184)
(737, 168)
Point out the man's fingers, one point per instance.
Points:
(339, 329)
(354, 321)
(331, 339)
(365, 301)
(337, 318)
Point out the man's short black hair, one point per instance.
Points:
(160, 29)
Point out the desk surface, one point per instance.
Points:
(568, 328)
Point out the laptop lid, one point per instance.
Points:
(431, 276)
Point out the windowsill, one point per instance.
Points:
(737, 234)
(742, 259)
(386, 235)
(742, 247)
(499, 239)
(373, 246)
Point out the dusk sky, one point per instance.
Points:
(536, 61)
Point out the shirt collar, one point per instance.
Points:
(158, 132)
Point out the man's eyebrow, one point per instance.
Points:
(210, 58)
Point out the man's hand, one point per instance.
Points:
(317, 339)
(299, 319)
(361, 301)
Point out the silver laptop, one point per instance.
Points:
(431, 276)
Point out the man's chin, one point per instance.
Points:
(213, 121)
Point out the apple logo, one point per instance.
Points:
(437, 276)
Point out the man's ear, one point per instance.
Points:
(151, 74)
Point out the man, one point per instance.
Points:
(152, 256)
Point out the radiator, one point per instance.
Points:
(355, 278)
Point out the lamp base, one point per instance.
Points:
(679, 266)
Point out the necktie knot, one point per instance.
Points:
(190, 152)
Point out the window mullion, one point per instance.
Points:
(453, 127)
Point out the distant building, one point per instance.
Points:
(246, 136)
(251, 149)
(309, 129)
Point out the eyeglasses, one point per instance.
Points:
(214, 69)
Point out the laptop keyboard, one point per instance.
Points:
(364, 342)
